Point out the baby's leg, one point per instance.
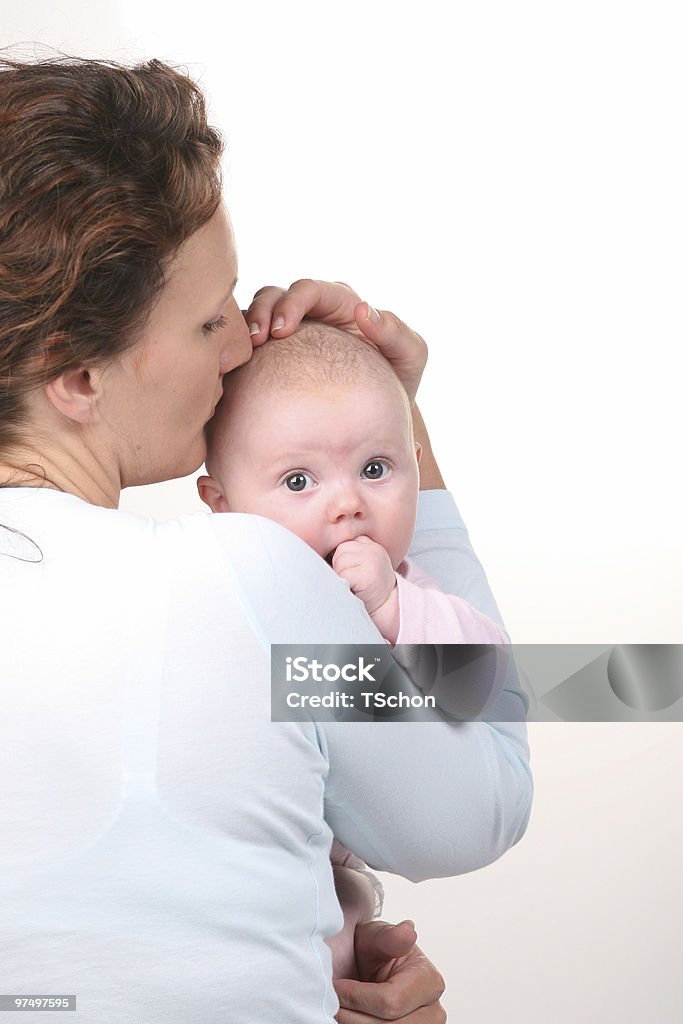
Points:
(357, 900)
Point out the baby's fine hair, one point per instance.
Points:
(315, 356)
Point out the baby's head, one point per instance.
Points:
(315, 432)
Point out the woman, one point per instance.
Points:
(164, 855)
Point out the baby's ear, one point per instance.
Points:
(418, 451)
(211, 493)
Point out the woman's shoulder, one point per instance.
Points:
(297, 596)
(244, 546)
(241, 535)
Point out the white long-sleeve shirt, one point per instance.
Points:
(164, 847)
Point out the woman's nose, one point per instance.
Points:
(236, 348)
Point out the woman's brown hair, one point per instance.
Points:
(105, 170)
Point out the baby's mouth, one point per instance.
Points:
(329, 556)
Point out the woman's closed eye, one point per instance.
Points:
(216, 325)
(376, 469)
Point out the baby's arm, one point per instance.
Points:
(465, 680)
(360, 894)
(410, 609)
(428, 616)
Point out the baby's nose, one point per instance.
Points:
(346, 504)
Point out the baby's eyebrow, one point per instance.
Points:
(287, 457)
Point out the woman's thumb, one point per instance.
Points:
(378, 941)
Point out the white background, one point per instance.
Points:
(507, 178)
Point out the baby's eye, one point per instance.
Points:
(298, 481)
(375, 470)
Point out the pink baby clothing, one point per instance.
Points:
(433, 629)
(428, 616)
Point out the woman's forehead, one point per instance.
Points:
(205, 266)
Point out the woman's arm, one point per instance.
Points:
(441, 545)
(387, 785)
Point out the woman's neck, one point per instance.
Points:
(83, 477)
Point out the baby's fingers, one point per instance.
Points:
(351, 553)
(345, 561)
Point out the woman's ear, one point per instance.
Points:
(73, 394)
(211, 494)
(418, 451)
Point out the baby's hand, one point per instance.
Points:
(367, 569)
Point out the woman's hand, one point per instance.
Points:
(277, 313)
(398, 982)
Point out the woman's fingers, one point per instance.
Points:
(259, 315)
(400, 983)
(331, 301)
(404, 348)
(277, 313)
(434, 1014)
(412, 995)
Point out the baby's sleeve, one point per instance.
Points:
(428, 616)
(452, 652)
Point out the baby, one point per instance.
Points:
(315, 432)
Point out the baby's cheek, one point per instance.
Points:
(403, 538)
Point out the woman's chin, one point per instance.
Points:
(196, 458)
(186, 466)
